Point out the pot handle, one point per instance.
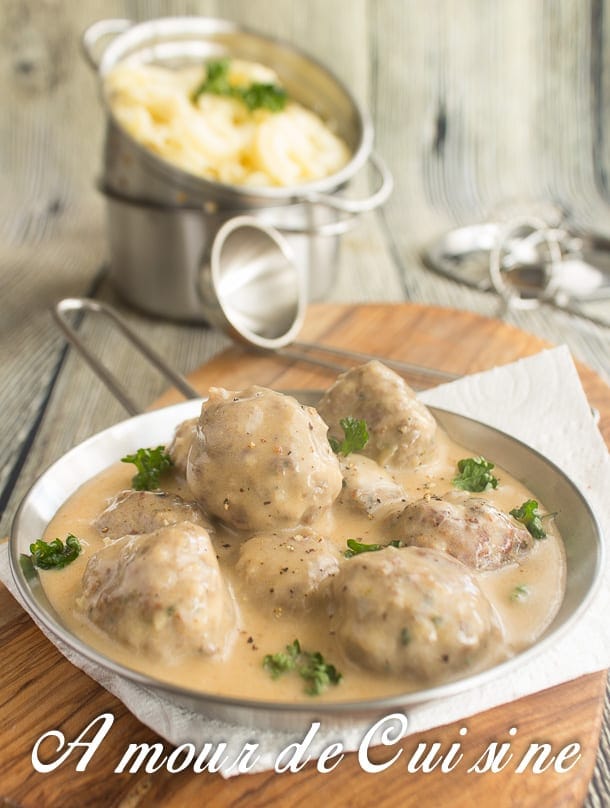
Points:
(350, 208)
(355, 206)
(84, 305)
(98, 30)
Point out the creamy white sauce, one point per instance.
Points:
(525, 595)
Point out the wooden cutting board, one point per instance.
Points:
(40, 690)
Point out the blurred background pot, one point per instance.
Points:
(162, 220)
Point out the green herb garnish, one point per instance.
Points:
(475, 475)
(520, 592)
(355, 547)
(216, 79)
(356, 436)
(263, 96)
(150, 463)
(311, 666)
(258, 95)
(530, 517)
(54, 555)
(277, 664)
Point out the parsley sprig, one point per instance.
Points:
(529, 516)
(355, 547)
(258, 95)
(55, 554)
(311, 666)
(356, 436)
(151, 464)
(520, 593)
(475, 475)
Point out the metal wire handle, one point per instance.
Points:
(336, 227)
(347, 209)
(116, 388)
(299, 351)
(355, 206)
(98, 30)
(408, 368)
(539, 233)
(549, 293)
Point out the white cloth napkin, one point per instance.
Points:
(538, 400)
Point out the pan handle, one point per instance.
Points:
(355, 206)
(84, 304)
(98, 30)
(349, 208)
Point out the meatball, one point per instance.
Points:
(287, 569)
(132, 512)
(161, 593)
(401, 429)
(260, 460)
(468, 528)
(368, 487)
(181, 444)
(411, 611)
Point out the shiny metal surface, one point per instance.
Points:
(419, 376)
(157, 251)
(250, 285)
(574, 519)
(96, 33)
(118, 390)
(581, 270)
(247, 284)
(162, 220)
(261, 308)
(523, 262)
(177, 41)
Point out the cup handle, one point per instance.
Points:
(355, 206)
(98, 30)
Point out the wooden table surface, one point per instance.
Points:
(475, 105)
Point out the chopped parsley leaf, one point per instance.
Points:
(277, 664)
(150, 463)
(55, 554)
(475, 475)
(311, 666)
(529, 516)
(355, 547)
(258, 95)
(520, 592)
(264, 96)
(356, 436)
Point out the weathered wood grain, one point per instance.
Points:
(482, 108)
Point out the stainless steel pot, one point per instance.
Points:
(160, 253)
(180, 213)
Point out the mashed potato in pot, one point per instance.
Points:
(208, 129)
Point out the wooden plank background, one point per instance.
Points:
(477, 104)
